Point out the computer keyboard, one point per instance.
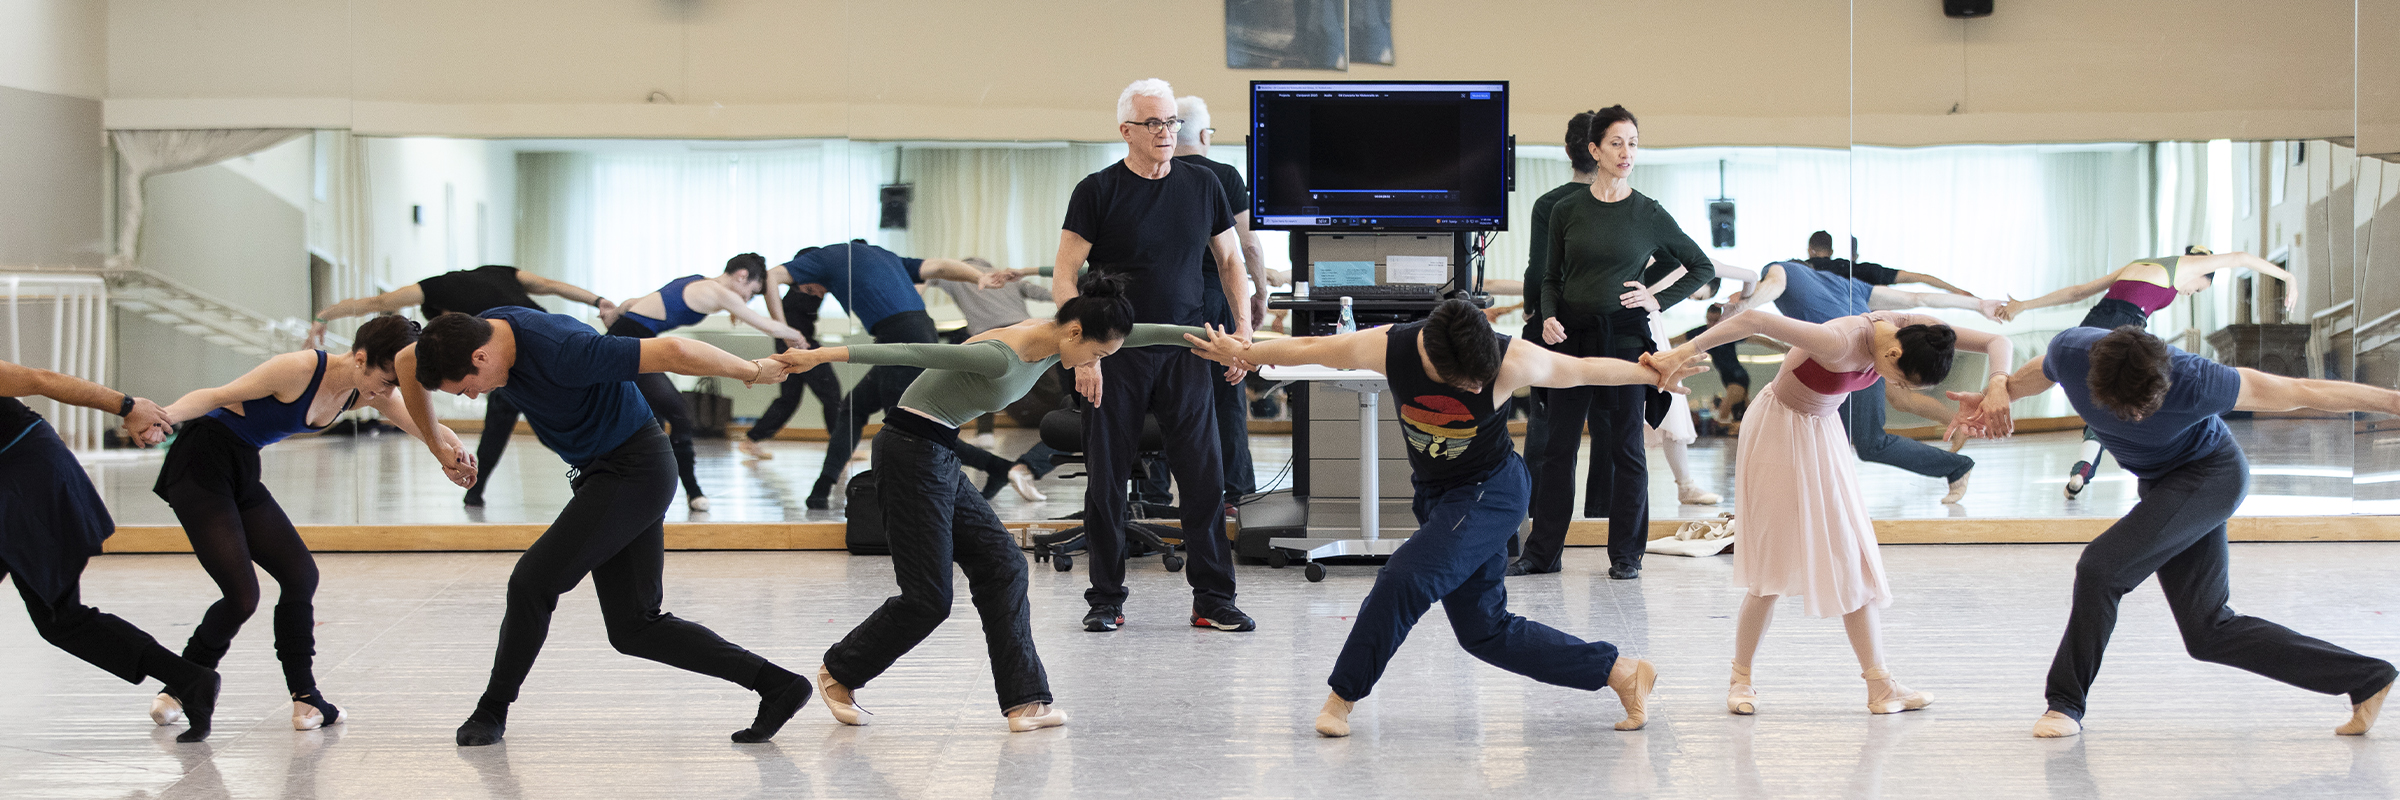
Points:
(1417, 291)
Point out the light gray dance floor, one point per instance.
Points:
(1160, 710)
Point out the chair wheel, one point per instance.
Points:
(1315, 572)
(1276, 559)
(1062, 562)
(1173, 563)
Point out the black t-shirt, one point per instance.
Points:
(15, 417)
(1723, 358)
(1237, 199)
(1872, 274)
(474, 291)
(800, 312)
(1154, 230)
(1453, 436)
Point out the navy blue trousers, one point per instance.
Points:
(1459, 556)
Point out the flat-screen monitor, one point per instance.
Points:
(1379, 155)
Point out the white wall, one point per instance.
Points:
(447, 179)
(54, 47)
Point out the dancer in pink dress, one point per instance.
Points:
(1804, 521)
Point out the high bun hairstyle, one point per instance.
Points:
(382, 338)
(752, 266)
(1100, 305)
(1925, 352)
(1460, 343)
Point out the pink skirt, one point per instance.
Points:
(1804, 525)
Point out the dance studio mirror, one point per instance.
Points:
(1997, 154)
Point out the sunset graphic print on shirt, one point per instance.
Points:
(1437, 425)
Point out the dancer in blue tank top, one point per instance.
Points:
(211, 479)
(686, 301)
(1451, 376)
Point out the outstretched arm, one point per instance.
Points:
(2268, 392)
(2194, 268)
(395, 409)
(1358, 350)
(1919, 277)
(386, 303)
(259, 382)
(702, 360)
(2063, 296)
(2026, 382)
(1764, 290)
(1528, 364)
(144, 420)
(741, 309)
(536, 284)
(1885, 298)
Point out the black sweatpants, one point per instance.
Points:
(1232, 415)
(102, 640)
(2177, 530)
(612, 530)
(935, 518)
(1173, 384)
(878, 392)
(1619, 440)
(499, 423)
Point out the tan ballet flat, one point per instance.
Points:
(838, 699)
(1740, 698)
(2362, 715)
(1034, 717)
(1333, 721)
(1636, 695)
(2054, 725)
(1901, 698)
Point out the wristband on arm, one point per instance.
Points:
(126, 407)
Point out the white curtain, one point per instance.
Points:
(1002, 203)
(342, 229)
(148, 153)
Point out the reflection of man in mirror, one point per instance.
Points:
(1820, 256)
(881, 288)
(1145, 217)
(2160, 409)
(1233, 419)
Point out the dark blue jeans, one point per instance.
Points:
(1863, 411)
(1458, 556)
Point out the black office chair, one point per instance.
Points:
(1062, 430)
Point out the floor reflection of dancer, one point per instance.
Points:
(52, 523)
(2136, 291)
(576, 388)
(686, 301)
(211, 478)
(1811, 295)
(2159, 408)
(936, 517)
(1805, 529)
(468, 291)
(1453, 376)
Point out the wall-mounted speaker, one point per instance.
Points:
(1966, 9)
(1720, 223)
(895, 199)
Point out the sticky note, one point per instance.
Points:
(1345, 273)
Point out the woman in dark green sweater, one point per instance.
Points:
(1605, 246)
(936, 517)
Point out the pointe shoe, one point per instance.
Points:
(1900, 698)
(306, 717)
(753, 450)
(1635, 694)
(698, 504)
(2362, 715)
(838, 700)
(1333, 721)
(1034, 717)
(1020, 478)
(1958, 489)
(165, 709)
(2079, 477)
(1740, 698)
(1692, 495)
(2054, 725)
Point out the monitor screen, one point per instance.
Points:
(1379, 155)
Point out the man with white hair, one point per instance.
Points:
(1233, 417)
(1144, 218)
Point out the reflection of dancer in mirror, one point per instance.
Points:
(799, 310)
(52, 523)
(936, 517)
(1605, 244)
(1726, 361)
(2136, 291)
(686, 301)
(211, 479)
(2159, 409)
(1811, 295)
(1820, 257)
(468, 291)
(1452, 376)
(576, 388)
(1805, 529)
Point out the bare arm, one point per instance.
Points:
(260, 381)
(2268, 392)
(1358, 350)
(2194, 268)
(1918, 404)
(1885, 298)
(1072, 250)
(950, 269)
(1761, 292)
(1809, 336)
(1227, 246)
(396, 410)
(458, 463)
(18, 380)
(386, 303)
(1528, 364)
(699, 359)
(536, 284)
(1919, 277)
(2064, 296)
(732, 303)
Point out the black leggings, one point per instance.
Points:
(666, 403)
(232, 522)
(499, 423)
(612, 529)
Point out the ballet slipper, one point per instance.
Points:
(1333, 721)
(2362, 715)
(1020, 478)
(1740, 698)
(1892, 698)
(2054, 725)
(1034, 717)
(1692, 495)
(1958, 489)
(838, 700)
(165, 709)
(698, 503)
(754, 450)
(1634, 692)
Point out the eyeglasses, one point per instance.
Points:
(1158, 126)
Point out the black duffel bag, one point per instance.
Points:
(864, 535)
(711, 410)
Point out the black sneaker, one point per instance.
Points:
(1624, 572)
(1223, 617)
(1527, 567)
(1103, 619)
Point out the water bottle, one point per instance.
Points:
(1349, 323)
